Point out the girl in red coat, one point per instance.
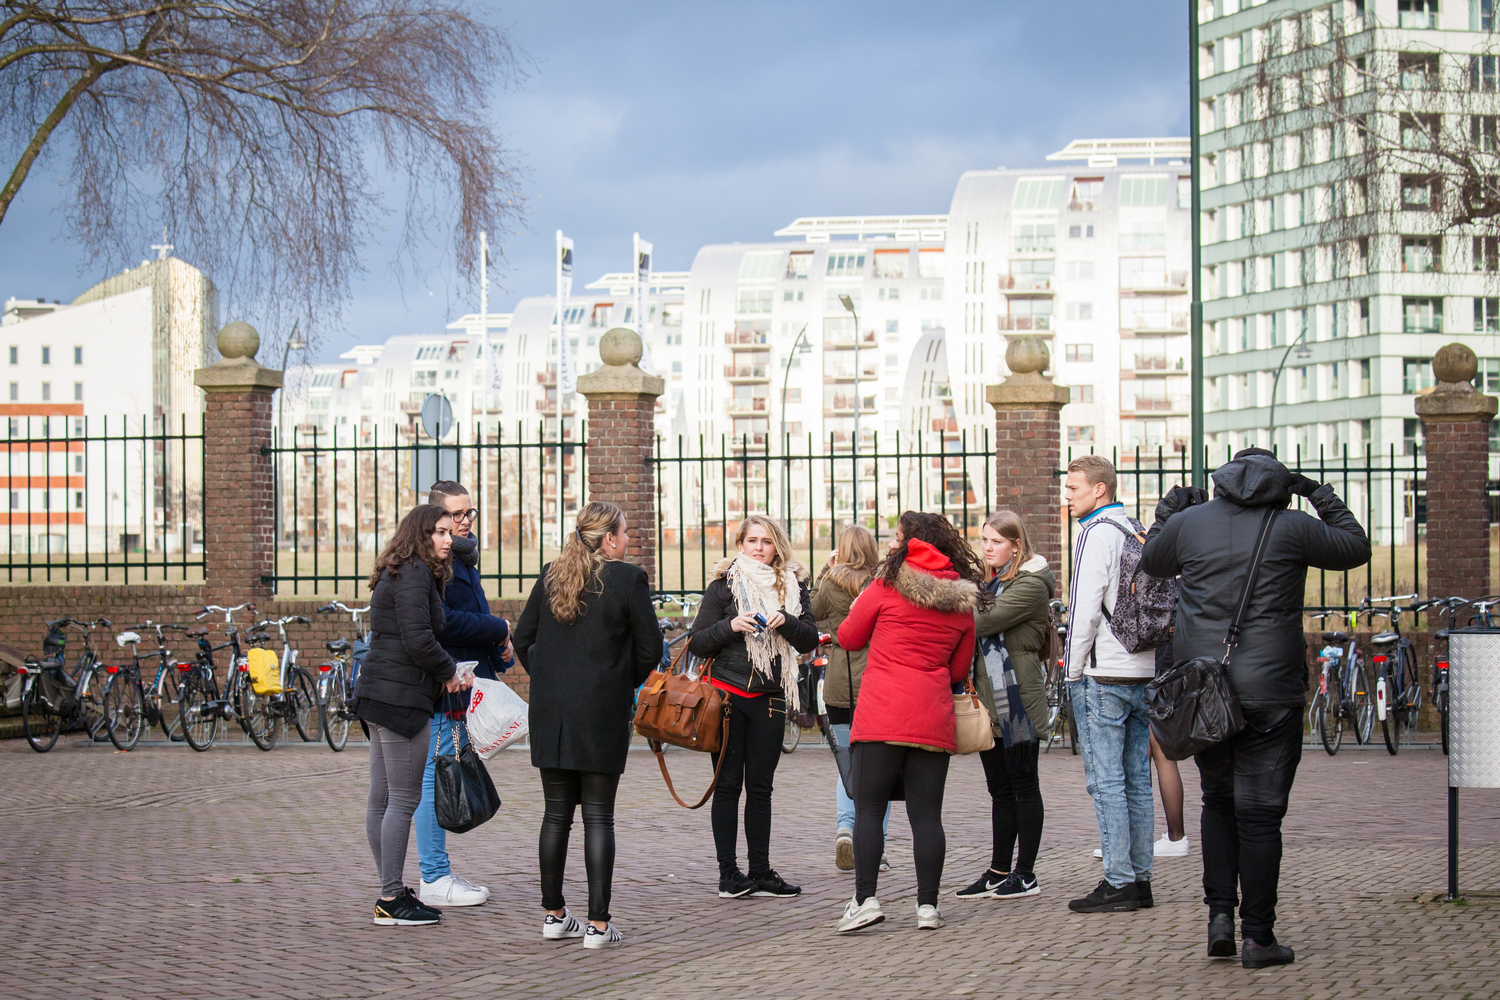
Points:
(917, 617)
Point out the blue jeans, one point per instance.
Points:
(1117, 756)
(841, 796)
(432, 840)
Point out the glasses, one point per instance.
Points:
(466, 515)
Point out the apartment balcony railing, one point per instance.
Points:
(550, 406)
(1025, 322)
(945, 426)
(755, 404)
(746, 338)
(1086, 205)
(1156, 281)
(407, 406)
(845, 372)
(1161, 404)
(844, 403)
(836, 339)
(746, 372)
(546, 378)
(1163, 321)
(1150, 362)
(1026, 283)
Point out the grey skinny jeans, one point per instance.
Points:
(396, 766)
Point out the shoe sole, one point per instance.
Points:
(878, 918)
(976, 895)
(1125, 907)
(1035, 890)
(735, 895)
(1171, 854)
(1222, 948)
(397, 922)
(449, 902)
(560, 937)
(930, 926)
(777, 895)
(1266, 963)
(589, 946)
(843, 855)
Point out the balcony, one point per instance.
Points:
(1161, 404)
(843, 402)
(549, 406)
(1151, 362)
(837, 338)
(1026, 284)
(1167, 322)
(843, 371)
(407, 406)
(1023, 323)
(546, 378)
(743, 373)
(1155, 281)
(756, 404)
(949, 426)
(1083, 205)
(747, 338)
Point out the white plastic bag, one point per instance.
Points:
(497, 717)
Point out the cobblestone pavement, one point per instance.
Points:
(165, 873)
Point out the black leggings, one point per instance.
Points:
(924, 774)
(1015, 810)
(753, 749)
(563, 791)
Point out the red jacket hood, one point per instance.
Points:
(925, 557)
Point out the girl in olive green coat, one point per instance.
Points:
(1023, 586)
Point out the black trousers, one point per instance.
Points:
(563, 791)
(753, 749)
(1246, 783)
(924, 774)
(1016, 811)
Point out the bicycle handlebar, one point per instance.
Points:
(1394, 597)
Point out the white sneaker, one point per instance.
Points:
(1099, 852)
(928, 917)
(858, 915)
(885, 863)
(452, 890)
(593, 937)
(1166, 847)
(565, 926)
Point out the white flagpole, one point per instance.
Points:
(484, 367)
(562, 333)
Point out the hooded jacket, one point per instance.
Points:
(712, 636)
(920, 635)
(1092, 647)
(830, 606)
(1020, 612)
(1210, 545)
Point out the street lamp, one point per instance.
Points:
(1303, 353)
(849, 305)
(799, 346)
(294, 342)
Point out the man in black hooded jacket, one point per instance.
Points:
(1247, 779)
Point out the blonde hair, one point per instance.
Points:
(1007, 524)
(1096, 469)
(779, 540)
(857, 559)
(577, 568)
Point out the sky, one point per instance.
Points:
(713, 122)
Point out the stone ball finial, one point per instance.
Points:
(1455, 363)
(238, 340)
(620, 346)
(1027, 354)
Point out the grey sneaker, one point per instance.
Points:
(928, 917)
(860, 915)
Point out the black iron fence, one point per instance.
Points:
(103, 499)
(340, 493)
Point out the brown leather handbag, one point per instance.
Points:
(693, 714)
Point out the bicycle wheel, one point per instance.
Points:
(1364, 703)
(256, 717)
(1072, 727)
(1331, 720)
(199, 725)
(39, 718)
(171, 705)
(91, 712)
(302, 701)
(331, 710)
(1440, 703)
(791, 736)
(1411, 689)
(126, 708)
(1390, 724)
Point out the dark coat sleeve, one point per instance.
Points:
(1159, 557)
(1336, 542)
(645, 634)
(802, 631)
(468, 628)
(711, 631)
(524, 636)
(412, 591)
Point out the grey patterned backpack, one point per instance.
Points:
(1145, 605)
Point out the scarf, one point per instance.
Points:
(466, 548)
(753, 585)
(1017, 731)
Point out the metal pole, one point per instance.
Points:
(484, 373)
(1452, 842)
(561, 333)
(1195, 335)
(855, 452)
(1275, 382)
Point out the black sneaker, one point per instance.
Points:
(1258, 956)
(772, 884)
(986, 886)
(1221, 936)
(1107, 899)
(1143, 890)
(736, 884)
(1017, 885)
(404, 911)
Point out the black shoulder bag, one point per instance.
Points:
(1192, 703)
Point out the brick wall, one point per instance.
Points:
(620, 470)
(239, 544)
(1458, 528)
(1026, 456)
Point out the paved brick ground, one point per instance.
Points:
(164, 873)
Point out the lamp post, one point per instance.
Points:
(1303, 353)
(294, 342)
(799, 346)
(849, 305)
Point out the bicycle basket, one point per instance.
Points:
(265, 671)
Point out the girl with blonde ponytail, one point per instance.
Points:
(588, 638)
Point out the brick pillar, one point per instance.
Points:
(239, 517)
(1456, 423)
(1028, 442)
(622, 413)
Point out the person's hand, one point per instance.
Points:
(1178, 499)
(833, 557)
(453, 685)
(776, 620)
(508, 651)
(744, 623)
(1302, 486)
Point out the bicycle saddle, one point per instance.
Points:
(1336, 637)
(259, 637)
(197, 630)
(126, 638)
(1441, 634)
(1384, 638)
(336, 645)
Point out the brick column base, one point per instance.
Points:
(1028, 445)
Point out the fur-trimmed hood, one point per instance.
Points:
(1034, 565)
(798, 570)
(926, 590)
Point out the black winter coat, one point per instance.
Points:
(584, 675)
(470, 630)
(712, 636)
(1210, 546)
(405, 666)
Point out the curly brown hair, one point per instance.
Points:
(413, 540)
(939, 532)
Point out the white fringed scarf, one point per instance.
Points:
(753, 585)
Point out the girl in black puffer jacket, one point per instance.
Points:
(756, 666)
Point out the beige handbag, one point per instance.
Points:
(973, 731)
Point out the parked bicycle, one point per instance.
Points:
(337, 677)
(161, 700)
(203, 706)
(281, 695)
(1059, 705)
(1345, 691)
(53, 698)
(1398, 690)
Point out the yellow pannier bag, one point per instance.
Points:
(265, 671)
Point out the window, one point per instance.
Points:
(78, 499)
(930, 264)
(46, 355)
(932, 292)
(755, 300)
(427, 376)
(1417, 131)
(15, 392)
(1143, 234)
(1184, 192)
(799, 264)
(1419, 193)
(1143, 272)
(1486, 253)
(1079, 270)
(1482, 133)
(1037, 192)
(891, 263)
(1080, 232)
(846, 265)
(78, 355)
(1417, 70)
(677, 368)
(1487, 315)
(791, 395)
(46, 392)
(1143, 192)
(15, 353)
(1080, 435)
(893, 361)
(1086, 194)
(1482, 74)
(1411, 435)
(1078, 352)
(77, 392)
(1034, 236)
(429, 352)
(1416, 373)
(792, 295)
(892, 326)
(1080, 393)
(1422, 315)
(1364, 382)
(1421, 254)
(759, 264)
(1028, 314)
(892, 294)
(1416, 13)
(1080, 310)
